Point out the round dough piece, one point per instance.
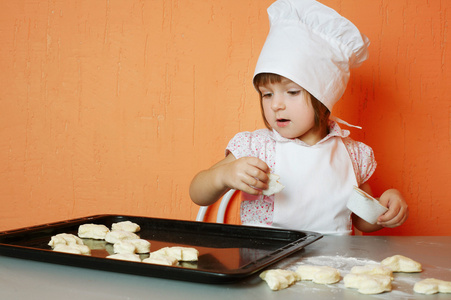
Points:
(160, 259)
(125, 256)
(64, 239)
(119, 235)
(368, 284)
(126, 226)
(400, 263)
(93, 231)
(431, 286)
(278, 279)
(318, 274)
(372, 269)
(73, 248)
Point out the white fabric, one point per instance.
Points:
(318, 182)
(312, 45)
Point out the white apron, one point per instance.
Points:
(318, 181)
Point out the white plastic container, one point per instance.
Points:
(365, 206)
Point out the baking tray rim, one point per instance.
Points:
(151, 270)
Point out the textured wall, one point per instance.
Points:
(113, 106)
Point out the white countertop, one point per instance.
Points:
(25, 279)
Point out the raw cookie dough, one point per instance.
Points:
(64, 239)
(368, 284)
(132, 246)
(279, 279)
(318, 274)
(180, 253)
(125, 256)
(93, 231)
(399, 263)
(126, 226)
(160, 259)
(73, 248)
(431, 286)
(119, 235)
(274, 186)
(373, 269)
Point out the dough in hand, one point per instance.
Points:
(274, 186)
(93, 231)
(64, 239)
(119, 235)
(125, 256)
(126, 226)
(400, 263)
(73, 248)
(160, 259)
(368, 284)
(373, 269)
(318, 274)
(431, 286)
(278, 279)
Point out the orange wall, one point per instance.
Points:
(113, 106)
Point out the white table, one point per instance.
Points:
(24, 279)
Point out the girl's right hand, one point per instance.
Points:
(247, 174)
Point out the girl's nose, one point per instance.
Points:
(277, 103)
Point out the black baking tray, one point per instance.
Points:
(227, 253)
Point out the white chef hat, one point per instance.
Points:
(312, 45)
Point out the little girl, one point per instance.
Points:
(302, 71)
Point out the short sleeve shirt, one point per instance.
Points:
(262, 144)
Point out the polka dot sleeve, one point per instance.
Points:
(362, 157)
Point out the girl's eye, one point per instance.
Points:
(294, 93)
(266, 95)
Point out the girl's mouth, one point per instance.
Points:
(282, 122)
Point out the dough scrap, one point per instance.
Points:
(73, 248)
(431, 286)
(318, 274)
(126, 226)
(278, 279)
(180, 253)
(125, 256)
(368, 284)
(373, 269)
(64, 239)
(274, 186)
(400, 263)
(132, 246)
(119, 235)
(93, 231)
(160, 259)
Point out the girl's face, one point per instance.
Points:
(288, 110)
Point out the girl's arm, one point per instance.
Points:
(396, 215)
(248, 174)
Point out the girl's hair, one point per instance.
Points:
(322, 113)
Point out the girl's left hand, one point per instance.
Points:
(398, 211)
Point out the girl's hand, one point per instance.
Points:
(398, 210)
(248, 174)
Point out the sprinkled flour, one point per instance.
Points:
(402, 283)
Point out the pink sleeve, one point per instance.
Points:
(363, 160)
(239, 145)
